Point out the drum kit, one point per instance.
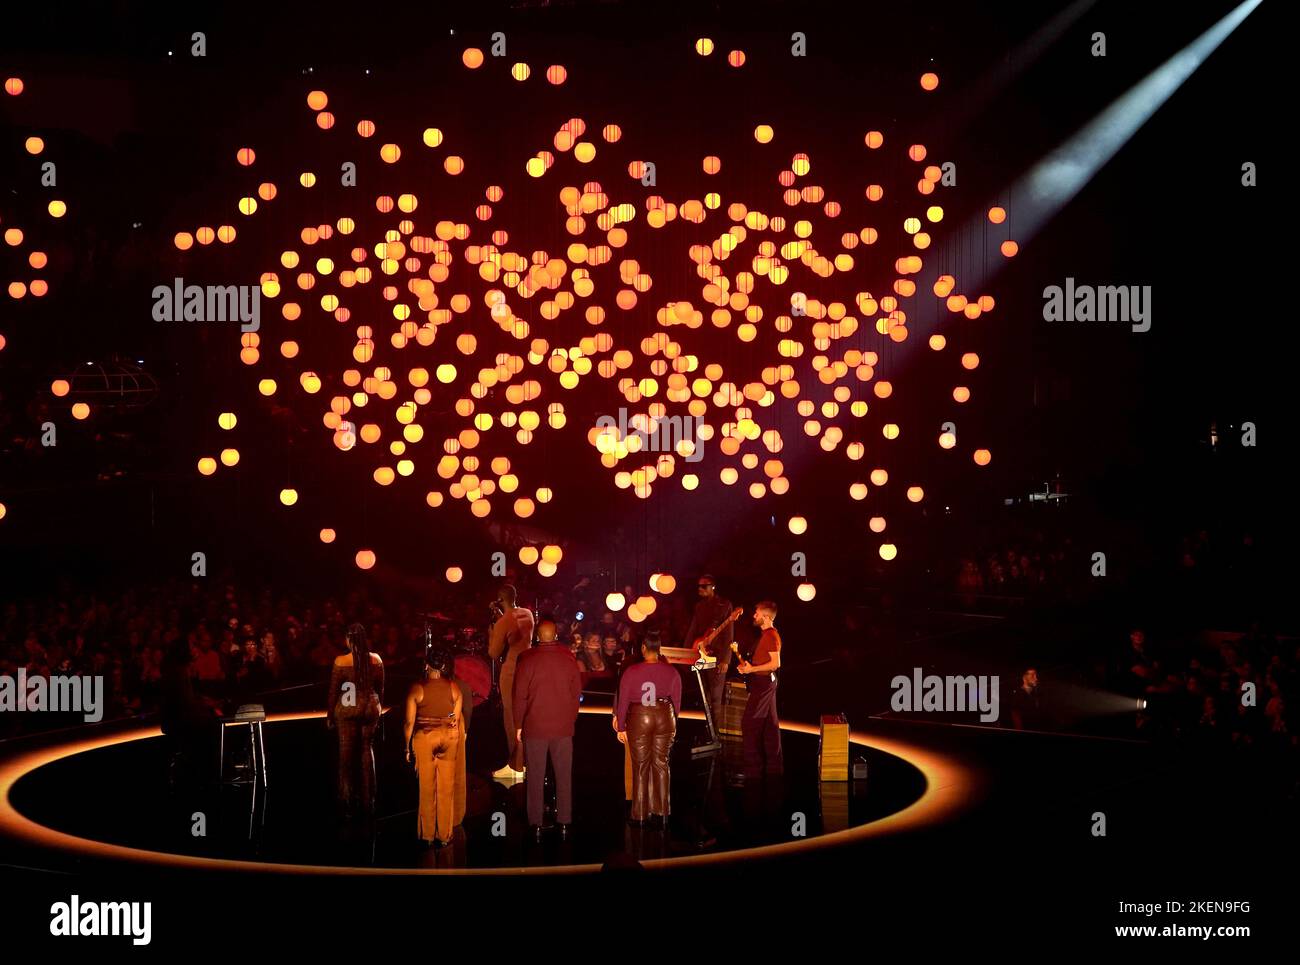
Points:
(469, 649)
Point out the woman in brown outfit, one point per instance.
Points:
(649, 700)
(433, 739)
(356, 697)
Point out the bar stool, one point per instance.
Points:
(253, 716)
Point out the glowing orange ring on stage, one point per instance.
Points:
(950, 786)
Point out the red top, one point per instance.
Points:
(664, 682)
(548, 684)
(768, 643)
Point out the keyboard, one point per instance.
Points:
(687, 657)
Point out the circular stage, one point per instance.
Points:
(108, 797)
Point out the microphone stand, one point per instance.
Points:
(496, 614)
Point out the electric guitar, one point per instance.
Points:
(701, 646)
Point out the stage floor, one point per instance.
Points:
(110, 797)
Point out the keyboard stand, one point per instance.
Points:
(713, 745)
(686, 656)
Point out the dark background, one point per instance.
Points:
(1121, 420)
(145, 143)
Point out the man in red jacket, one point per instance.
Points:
(548, 685)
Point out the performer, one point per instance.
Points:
(710, 612)
(512, 634)
(356, 695)
(188, 721)
(649, 700)
(760, 727)
(433, 741)
(450, 670)
(548, 687)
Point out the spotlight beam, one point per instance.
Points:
(1057, 178)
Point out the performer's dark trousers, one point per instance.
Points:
(560, 751)
(715, 685)
(760, 728)
(650, 732)
(356, 779)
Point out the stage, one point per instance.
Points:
(291, 825)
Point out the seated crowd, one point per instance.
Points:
(241, 643)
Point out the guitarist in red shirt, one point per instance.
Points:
(710, 612)
(760, 727)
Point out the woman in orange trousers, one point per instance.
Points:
(433, 737)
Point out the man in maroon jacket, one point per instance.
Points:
(548, 684)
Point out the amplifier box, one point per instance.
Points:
(833, 757)
(734, 699)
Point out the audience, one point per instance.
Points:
(242, 643)
(1232, 690)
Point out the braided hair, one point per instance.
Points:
(360, 656)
